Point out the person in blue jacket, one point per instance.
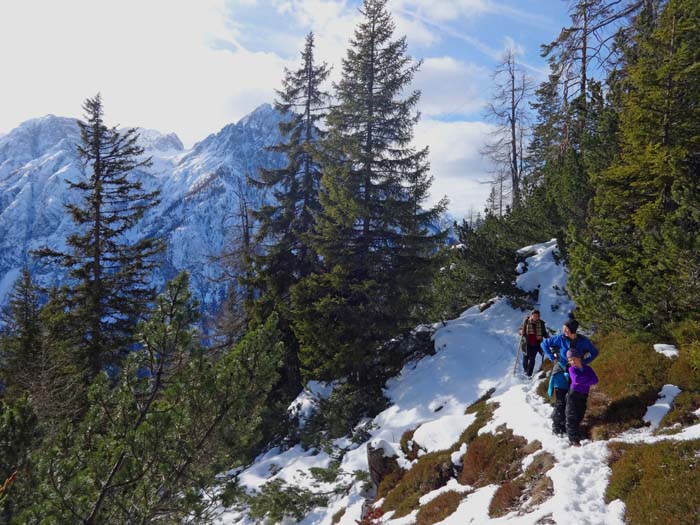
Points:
(555, 349)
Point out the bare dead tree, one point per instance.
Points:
(508, 110)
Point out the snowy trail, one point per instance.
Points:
(475, 353)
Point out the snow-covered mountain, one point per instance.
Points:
(199, 189)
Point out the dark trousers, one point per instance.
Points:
(529, 358)
(559, 414)
(575, 410)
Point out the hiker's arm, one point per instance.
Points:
(592, 352)
(547, 344)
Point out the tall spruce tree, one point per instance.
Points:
(285, 224)
(285, 255)
(647, 217)
(372, 232)
(108, 291)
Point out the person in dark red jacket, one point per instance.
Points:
(534, 331)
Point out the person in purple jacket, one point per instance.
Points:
(555, 349)
(582, 378)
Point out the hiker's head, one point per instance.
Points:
(574, 357)
(570, 328)
(535, 315)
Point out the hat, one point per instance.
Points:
(572, 325)
(574, 352)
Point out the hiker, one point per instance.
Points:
(582, 378)
(559, 379)
(534, 332)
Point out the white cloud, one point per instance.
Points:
(443, 10)
(458, 168)
(450, 87)
(173, 66)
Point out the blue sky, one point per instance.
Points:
(194, 66)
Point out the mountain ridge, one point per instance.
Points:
(198, 194)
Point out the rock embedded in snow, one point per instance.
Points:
(381, 460)
(669, 351)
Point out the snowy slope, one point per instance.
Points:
(198, 192)
(475, 352)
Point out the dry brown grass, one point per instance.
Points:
(533, 486)
(338, 516)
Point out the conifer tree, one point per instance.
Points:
(285, 224)
(646, 219)
(36, 353)
(285, 254)
(149, 446)
(19, 347)
(108, 288)
(372, 230)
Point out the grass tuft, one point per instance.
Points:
(408, 446)
(533, 486)
(657, 482)
(430, 472)
(492, 458)
(440, 508)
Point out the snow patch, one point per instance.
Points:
(442, 433)
(456, 457)
(308, 400)
(452, 485)
(387, 450)
(658, 410)
(669, 351)
(474, 509)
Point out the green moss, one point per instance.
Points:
(480, 403)
(389, 482)
(430, 472)
(657, 482)
(440, 508)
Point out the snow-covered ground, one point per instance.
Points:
(475, 353)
